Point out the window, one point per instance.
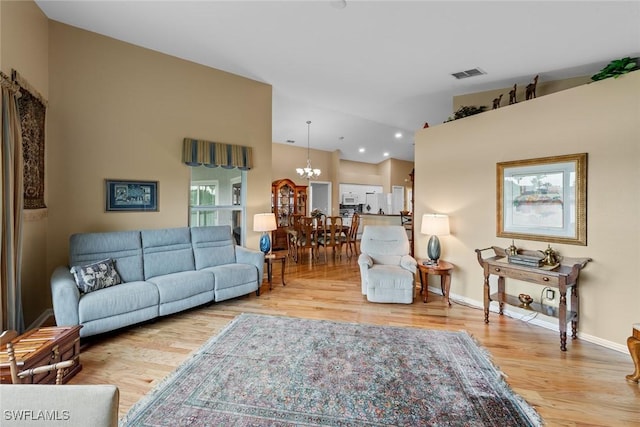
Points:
(217, 198)
(203, 200)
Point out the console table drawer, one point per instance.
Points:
(514, 273)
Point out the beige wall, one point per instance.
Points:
(24, 47)
(120, 111)
(602, 119)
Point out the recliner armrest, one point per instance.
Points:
(365, 261)
(408, 263)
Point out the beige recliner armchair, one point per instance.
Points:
(59, 405)
(386, 268)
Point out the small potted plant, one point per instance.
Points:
(466, 111)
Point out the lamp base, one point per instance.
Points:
(433, 249)
(265, 243)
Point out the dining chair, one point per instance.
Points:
(307, 237)
(292, 231)
(332, 235)
(351, 239)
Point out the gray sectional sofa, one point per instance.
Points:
(161, 272)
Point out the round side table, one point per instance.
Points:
(442, 269)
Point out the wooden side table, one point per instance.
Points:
(442, 269)
(269, 260)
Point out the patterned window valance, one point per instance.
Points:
(196, 152)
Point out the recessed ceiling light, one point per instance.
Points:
(398, 134)
(361, 150)
(386, 154)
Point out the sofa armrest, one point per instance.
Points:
(65, 296)
(251, 256)
(408, 263)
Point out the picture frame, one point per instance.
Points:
(131, 196)
(543, 199)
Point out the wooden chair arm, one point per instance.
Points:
(46, 368)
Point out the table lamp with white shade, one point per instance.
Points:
(434, 225)
(264, 222)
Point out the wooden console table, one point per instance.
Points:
(562, 277)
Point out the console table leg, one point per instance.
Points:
(501, 292)
(486, 298)
(563, 341)
(575, 306)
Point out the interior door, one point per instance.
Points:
(320, 196)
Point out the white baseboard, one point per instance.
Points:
(540, 320)
(41, 319)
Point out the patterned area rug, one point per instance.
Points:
(281, 371)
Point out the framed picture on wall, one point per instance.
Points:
(543, 199)
(131, 196)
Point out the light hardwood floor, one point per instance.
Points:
(584, 386)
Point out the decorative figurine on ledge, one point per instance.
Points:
(496, 102)
(512, 250)
(530, 91)
(512, 95)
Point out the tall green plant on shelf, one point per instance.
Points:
(616, 68)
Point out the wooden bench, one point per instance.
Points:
(633, 342)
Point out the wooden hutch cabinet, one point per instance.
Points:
(287, 199)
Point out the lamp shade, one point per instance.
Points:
(264, 222)
(435, 224)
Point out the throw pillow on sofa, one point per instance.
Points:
(98, 275)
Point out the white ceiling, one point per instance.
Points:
(373, 68)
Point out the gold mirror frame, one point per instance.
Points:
(537, 201)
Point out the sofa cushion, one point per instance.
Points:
(390, 277)
(121, 299)
(182, 285)
(167, 251)
(124, 247)
(213, 246)
(230, 275)
(98, 275)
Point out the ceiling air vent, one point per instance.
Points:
(469, 73)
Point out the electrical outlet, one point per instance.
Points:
(551, 294)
